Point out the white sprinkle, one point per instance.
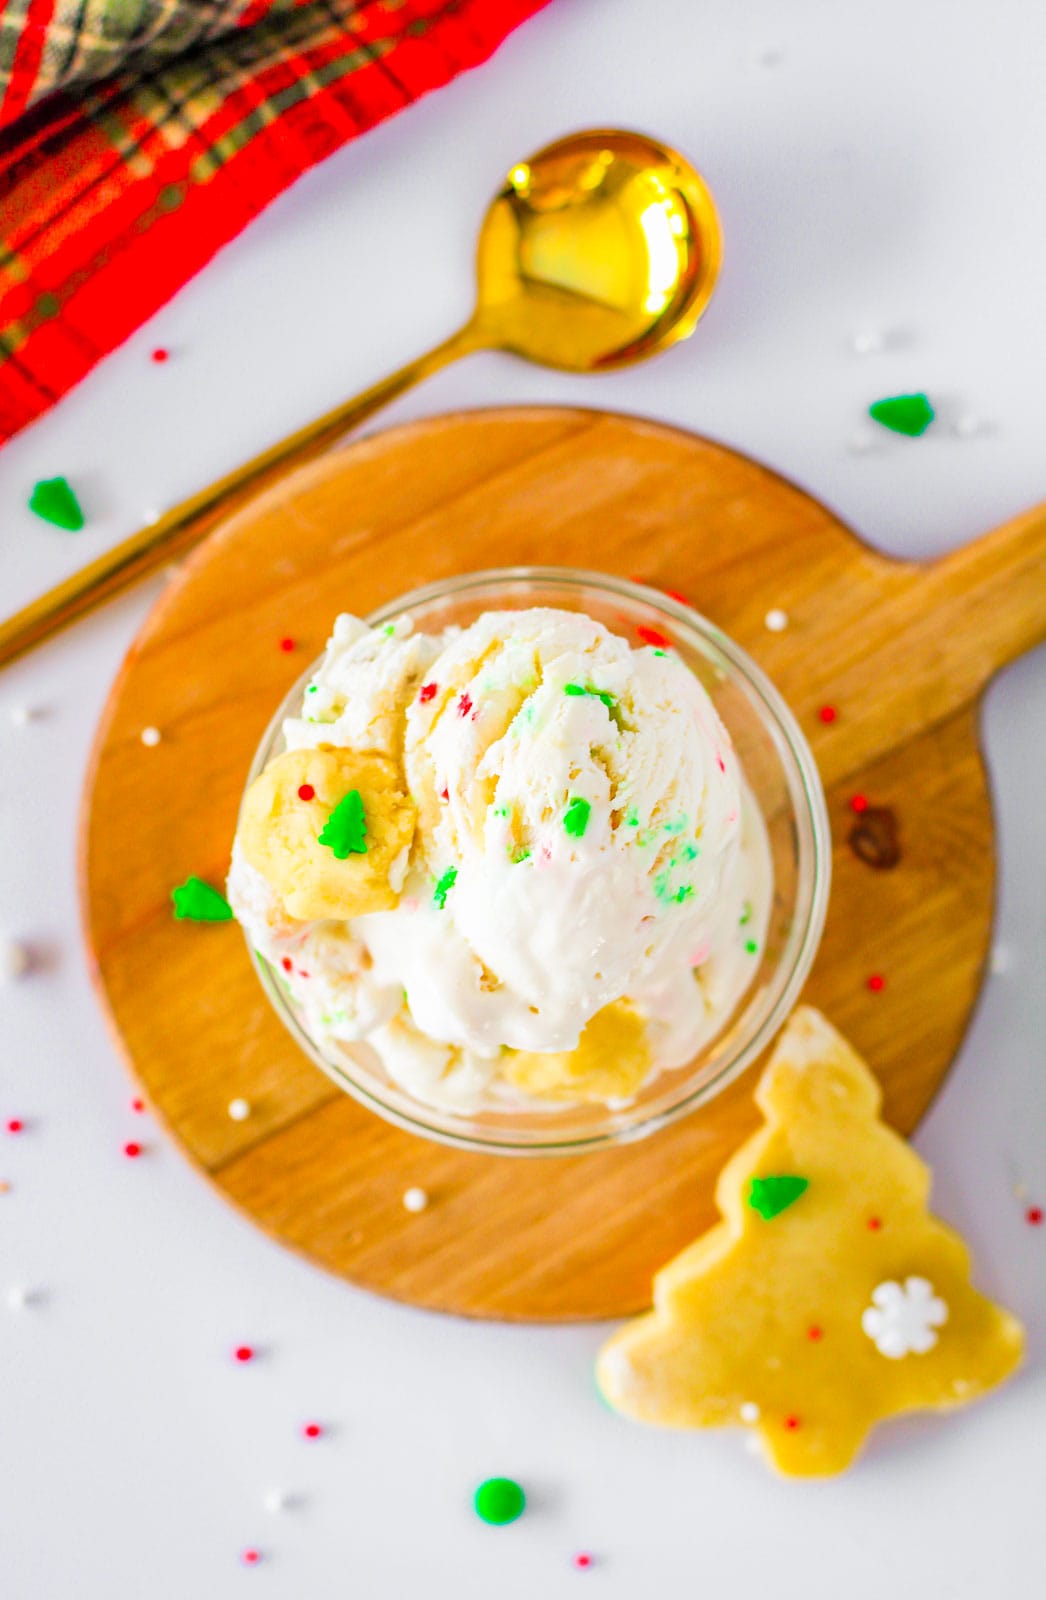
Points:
(22, 716)
(15, 959)
(276, 1500)
(415, 1200)
(151, 736)
(968, 426)
(150, 515)
(749, 1412)
(19, 1297)
(1001, 959)
(239, 1110)
(867, 342)
(862, 443)
(776, 620)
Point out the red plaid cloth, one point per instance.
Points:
(138, 136)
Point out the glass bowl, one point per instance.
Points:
(784, 781)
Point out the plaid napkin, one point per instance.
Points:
(138, 136)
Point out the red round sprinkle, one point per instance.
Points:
(828, 713)
(252, 1557)
(132, 1150)
(427, 692)
(15, 1125)
(287, 964)
(674, 594)
(137, 1105)
(243, 1352)
(791, 1423)
(464, 706)
(306, 792)
(815, 1333)
(160, 354)
(1034, 1216)
(582, 1560)
(287, 644)
(652, 636)
(876, 982)
(312, 1430)
(859, 803)
(875, 1223)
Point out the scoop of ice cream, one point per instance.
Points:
(329, 830)
(579, 806)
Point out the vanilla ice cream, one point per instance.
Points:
(517, 861)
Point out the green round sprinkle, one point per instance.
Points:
(771, 1196)
(575, 817)
(345, 830)
(910, 414)
(196, 901)
(444, 885)
(53, 500)
(751, 946)
(499, 1500)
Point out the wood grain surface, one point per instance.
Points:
(901, 651)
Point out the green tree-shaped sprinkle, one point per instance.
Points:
(345, 830)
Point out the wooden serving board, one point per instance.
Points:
(901, 651)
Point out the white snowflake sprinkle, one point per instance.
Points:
(902, 1318)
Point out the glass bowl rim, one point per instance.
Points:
(782, 726)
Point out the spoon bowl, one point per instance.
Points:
(601, 249)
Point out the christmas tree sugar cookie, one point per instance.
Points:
(828, 1298)
(329, 830)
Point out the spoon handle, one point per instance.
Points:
(185, 525)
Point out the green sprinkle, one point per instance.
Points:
(910, 414)
(389, 629)
(683, 893)
(444, 885)
(771, 1196)
(659, 652)
(607, 698)
(345, 830)
(519, 855)
(751, 946)
(196, 901)
(501, 811)
(53, 500)
(575, 817)
(312, 688)
(746, 913)
(499, 1500)
(689, 852)
(673, 828)
(632, 820)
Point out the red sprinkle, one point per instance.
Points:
(137, 1105)
(876, 982)
(815, 1333)
(859, 803)
(252, 1557)
(875, 1223)
(161, 354)
(791, 1423)
(427, 692)
(312, 1430)
(444, 793)
(132, 1150)
(287, 964)
(287, 644)
(306, 792)
(652, 636)
(464, 706)
(1034, 1216)
(582, 1560)
(243, 1352)
(673, 594)
(15, 1125)
(828, 713)
(722, 763)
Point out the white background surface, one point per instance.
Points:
(876, 167)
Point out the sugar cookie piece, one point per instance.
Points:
(290, 805)
(849, 1306)
(611, 1060)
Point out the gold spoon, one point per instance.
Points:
(600, 250)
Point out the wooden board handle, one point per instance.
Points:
(990, 596)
